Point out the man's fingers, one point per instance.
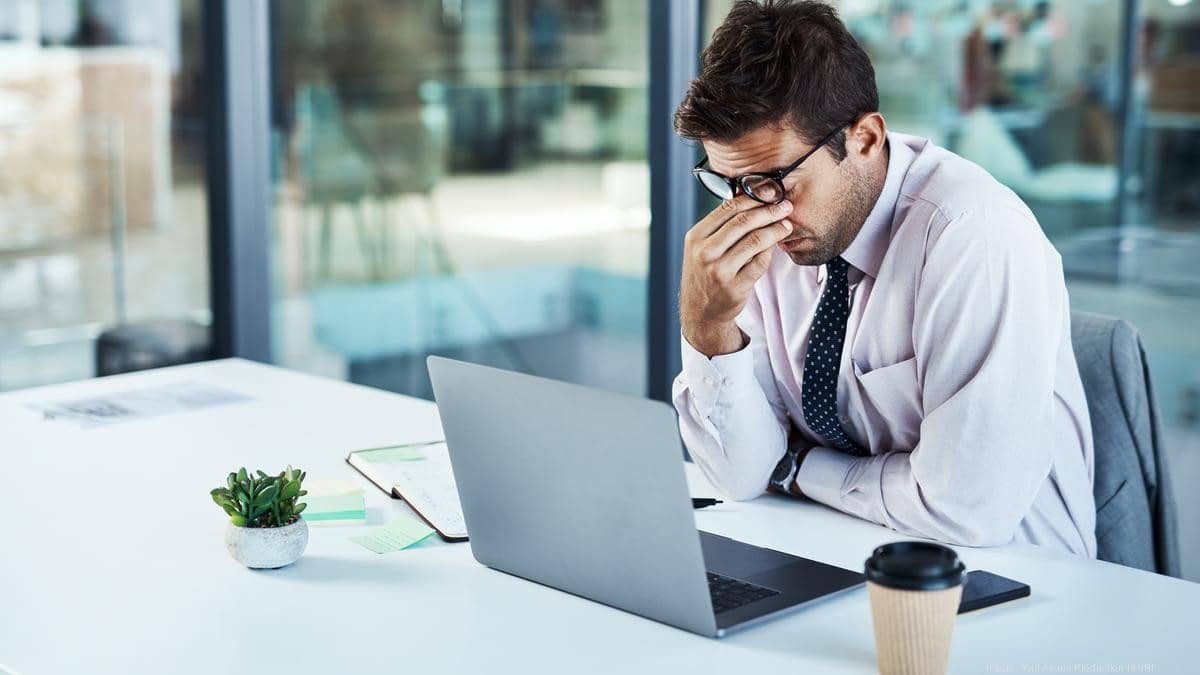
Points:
(753, 270)
(717, 217)
(743, 223)
(755, 242)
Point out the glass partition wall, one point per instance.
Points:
(103, 215)
(461, 178)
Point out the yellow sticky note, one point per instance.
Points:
(397, 535)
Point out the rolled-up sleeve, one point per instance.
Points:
(986, 334)
(730, 414)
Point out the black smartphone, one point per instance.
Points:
(984, 589)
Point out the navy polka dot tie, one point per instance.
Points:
(824, 359)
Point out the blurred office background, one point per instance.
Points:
(454, 177)
(472, 177)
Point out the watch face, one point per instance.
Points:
(784, 469)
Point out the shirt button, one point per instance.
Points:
(727, 382)
(709, 381)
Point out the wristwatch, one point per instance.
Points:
(783, 478)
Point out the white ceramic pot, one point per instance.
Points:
(267, 547)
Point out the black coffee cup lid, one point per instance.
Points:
(915, 565)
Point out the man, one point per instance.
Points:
(911, 334)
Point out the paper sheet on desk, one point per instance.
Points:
(399, 534)
(135, 404)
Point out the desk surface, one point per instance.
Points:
(114, 562)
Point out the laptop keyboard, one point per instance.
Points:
(728, 593)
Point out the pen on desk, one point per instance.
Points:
(701, 502)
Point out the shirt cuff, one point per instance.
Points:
(822, 474)
(715, 380)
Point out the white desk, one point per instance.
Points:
(113, 561)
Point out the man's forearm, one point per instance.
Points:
(733, 432)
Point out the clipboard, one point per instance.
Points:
(426, 484)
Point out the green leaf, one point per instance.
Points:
(261, 473)
(267, 495)
(238, 521)
(241, 475)
(231, 482)
(290, 491)
(299, 508)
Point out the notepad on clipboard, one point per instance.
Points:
(420, 474)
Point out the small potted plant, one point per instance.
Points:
(265, 529)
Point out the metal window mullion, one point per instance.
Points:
(674, 47)
(237, 57)
(1128, 148)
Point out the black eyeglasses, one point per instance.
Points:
(755, 185)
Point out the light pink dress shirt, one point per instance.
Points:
(957, 372)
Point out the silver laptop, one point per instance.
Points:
(584, 491)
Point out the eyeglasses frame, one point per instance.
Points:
(777, 176)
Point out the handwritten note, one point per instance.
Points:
(395, 536)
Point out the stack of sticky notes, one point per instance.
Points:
(332, 501)
(336, 508)
(397, 535)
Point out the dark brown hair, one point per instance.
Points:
(779, 62)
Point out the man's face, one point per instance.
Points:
(830, 199)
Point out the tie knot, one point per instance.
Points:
(837, 267)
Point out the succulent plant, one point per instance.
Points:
(261, 500)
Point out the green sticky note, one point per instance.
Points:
(399, 453)
(395, 536)
(340, 507)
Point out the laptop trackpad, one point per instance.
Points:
(738, 559)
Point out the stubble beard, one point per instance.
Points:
(850, 211)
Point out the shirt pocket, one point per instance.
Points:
(891, 403)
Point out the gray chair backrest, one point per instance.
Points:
(1135, 505)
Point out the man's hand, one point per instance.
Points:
(723, 255)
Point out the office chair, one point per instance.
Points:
(1135, 505)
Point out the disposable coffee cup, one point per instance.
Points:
(915, 588)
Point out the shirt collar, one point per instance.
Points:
(870, 245)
